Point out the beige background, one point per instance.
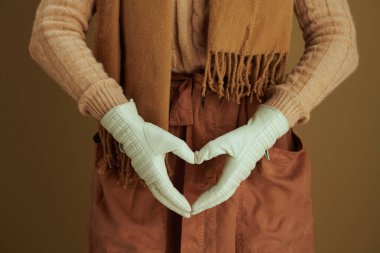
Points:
(46, 154)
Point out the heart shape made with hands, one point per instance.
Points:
(146, 144)
(233, 173)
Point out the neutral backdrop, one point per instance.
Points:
(46, 154)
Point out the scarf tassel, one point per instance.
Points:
(247, 75)
(244, 72)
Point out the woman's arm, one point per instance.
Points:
(58, 45)
(330, 56)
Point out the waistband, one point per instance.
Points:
(185, 91)
(197, 76)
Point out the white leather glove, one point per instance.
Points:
(146, 144)
(245, 145)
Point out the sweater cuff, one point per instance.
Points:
(97, 100)
(287, 102)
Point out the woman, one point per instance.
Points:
(239, 176)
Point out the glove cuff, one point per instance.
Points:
(271, 125)
(116, 119)
(280, 123)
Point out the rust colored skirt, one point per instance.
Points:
(270, 212)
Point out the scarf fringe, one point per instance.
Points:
(246, 76)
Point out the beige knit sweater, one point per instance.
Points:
(330, 55)
(189, 39)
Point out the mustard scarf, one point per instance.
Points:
(247, 44)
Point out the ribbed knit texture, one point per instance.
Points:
(330, 56)
(58, 45)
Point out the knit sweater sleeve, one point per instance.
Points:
(330, 56)
(58, 45)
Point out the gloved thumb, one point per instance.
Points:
(161, 142)
(216, 147)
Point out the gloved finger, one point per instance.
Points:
(214, 148)
(161, 141)
(175, 203)
(233, 173)
(212, 197)
(174, 196)
(171, 194)
(183, 151)
(167, 203)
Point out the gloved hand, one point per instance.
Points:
(146, 144)
(245, 145)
